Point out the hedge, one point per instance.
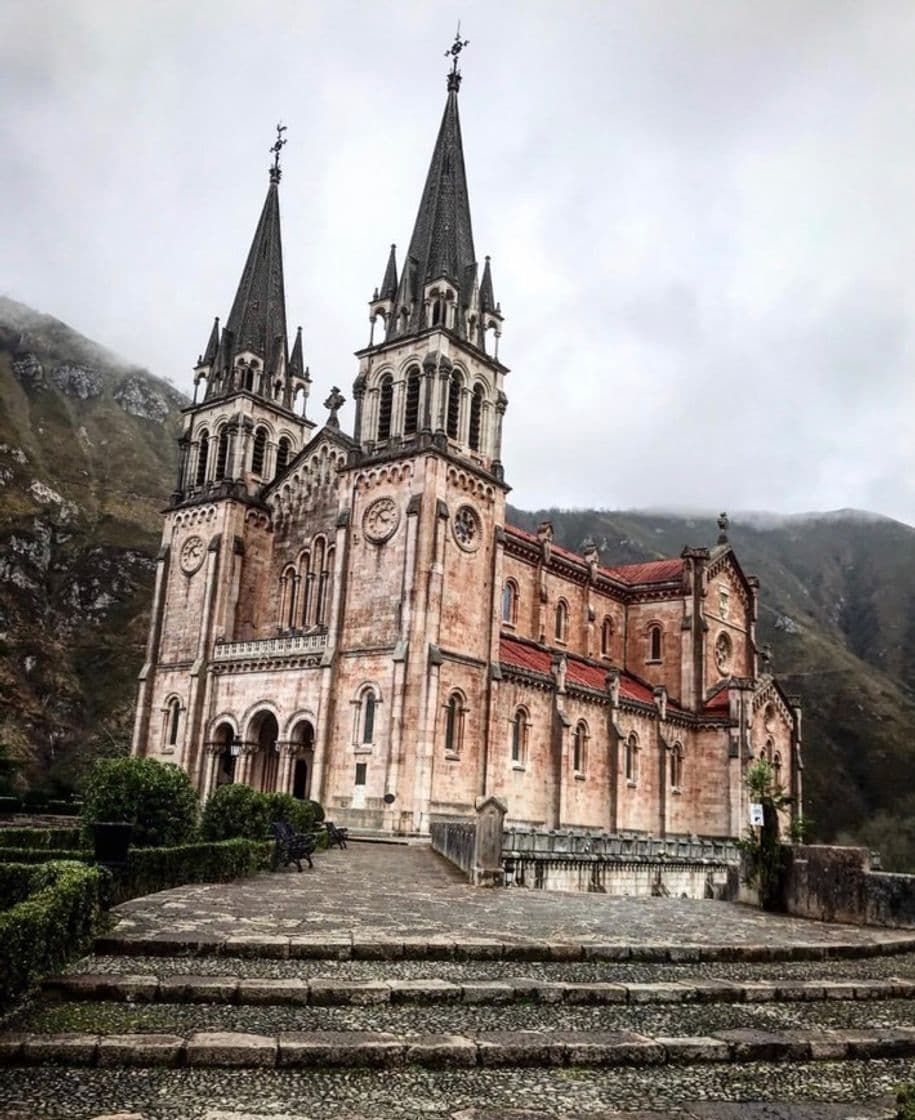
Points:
(46, 838)
(57, 917)
(34, 856)
(51, 807)
(157, 798)
(156, 869)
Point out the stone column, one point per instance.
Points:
(284, 768)
(213, 751)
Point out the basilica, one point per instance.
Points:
(348, 617)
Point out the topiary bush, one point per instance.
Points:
(156, 798)
(284, 807)
(318, 811)
(235, 811)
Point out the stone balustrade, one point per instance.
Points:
(270, 647)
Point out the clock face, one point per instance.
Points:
(192, 553)
(381, 519)
(466, 528)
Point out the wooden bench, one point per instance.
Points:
(291, 847)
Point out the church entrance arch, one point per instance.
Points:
(262, 734)
(303, 745)
(225, 760)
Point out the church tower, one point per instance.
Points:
(251, 421)
(431, 372)
(241, 431)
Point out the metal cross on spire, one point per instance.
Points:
(454, 75)
(276, 148)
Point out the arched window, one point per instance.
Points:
(222, 453)
(562, 621)
(510, 602)
(385, 407)
(437, 309)
(580, 748)
(606, 637)
(654, 643)
(368, 718)
(249, 379)
(455, 386)
(454, 723)
(203, 454)
(290, 584)
(520, 725)
(172, 722)
(676, 766)
(365, 716)
(777, 768)
(282, 454)
(476, 417)
(411, 411)
(317, 577)
(259, 451)
(632, 758)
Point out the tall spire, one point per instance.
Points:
(441, 247)
(258, 315)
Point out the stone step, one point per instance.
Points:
(354, 946)
(364, 1049)
(333, 991)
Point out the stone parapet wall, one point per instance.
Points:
(837, 885)
(620, 878)
(455, 840)
(519, 843)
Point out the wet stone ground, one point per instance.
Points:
(375, 891)
(379, 889)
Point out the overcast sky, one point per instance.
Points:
(700, 215)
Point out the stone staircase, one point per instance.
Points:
(249, 1026)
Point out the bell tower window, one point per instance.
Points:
(455, 386)
(411, 412)
(222, 453)
(476, 417)
(203, 454)
(259, 451)
(282, 454)
(385, 407)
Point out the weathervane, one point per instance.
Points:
(454, 76)
(276, 148)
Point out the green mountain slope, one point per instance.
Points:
(837, 610)
(87, 454)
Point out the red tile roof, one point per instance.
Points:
(720, 702)
(535, 659)
(651, 571)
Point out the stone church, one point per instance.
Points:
(349, 618)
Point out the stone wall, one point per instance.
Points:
(455, 840)
(837, 885)
(621, 878)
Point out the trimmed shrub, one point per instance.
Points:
(45, 838)
(156, 798)
(157, 869)
(284, 807)
(318, 811)
(58, 917)
(905, 1102)
(235, 811)
(43, 855)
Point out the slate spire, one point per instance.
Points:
(389, 283)
(209, 355)
(442, 243)
(487, 299)
(257, 321)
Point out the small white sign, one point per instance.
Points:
(756, 814)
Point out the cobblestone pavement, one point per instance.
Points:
(379, 889)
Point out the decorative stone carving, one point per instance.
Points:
(466, 528)
(723, 652)
(192, 553)
(380, 521)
